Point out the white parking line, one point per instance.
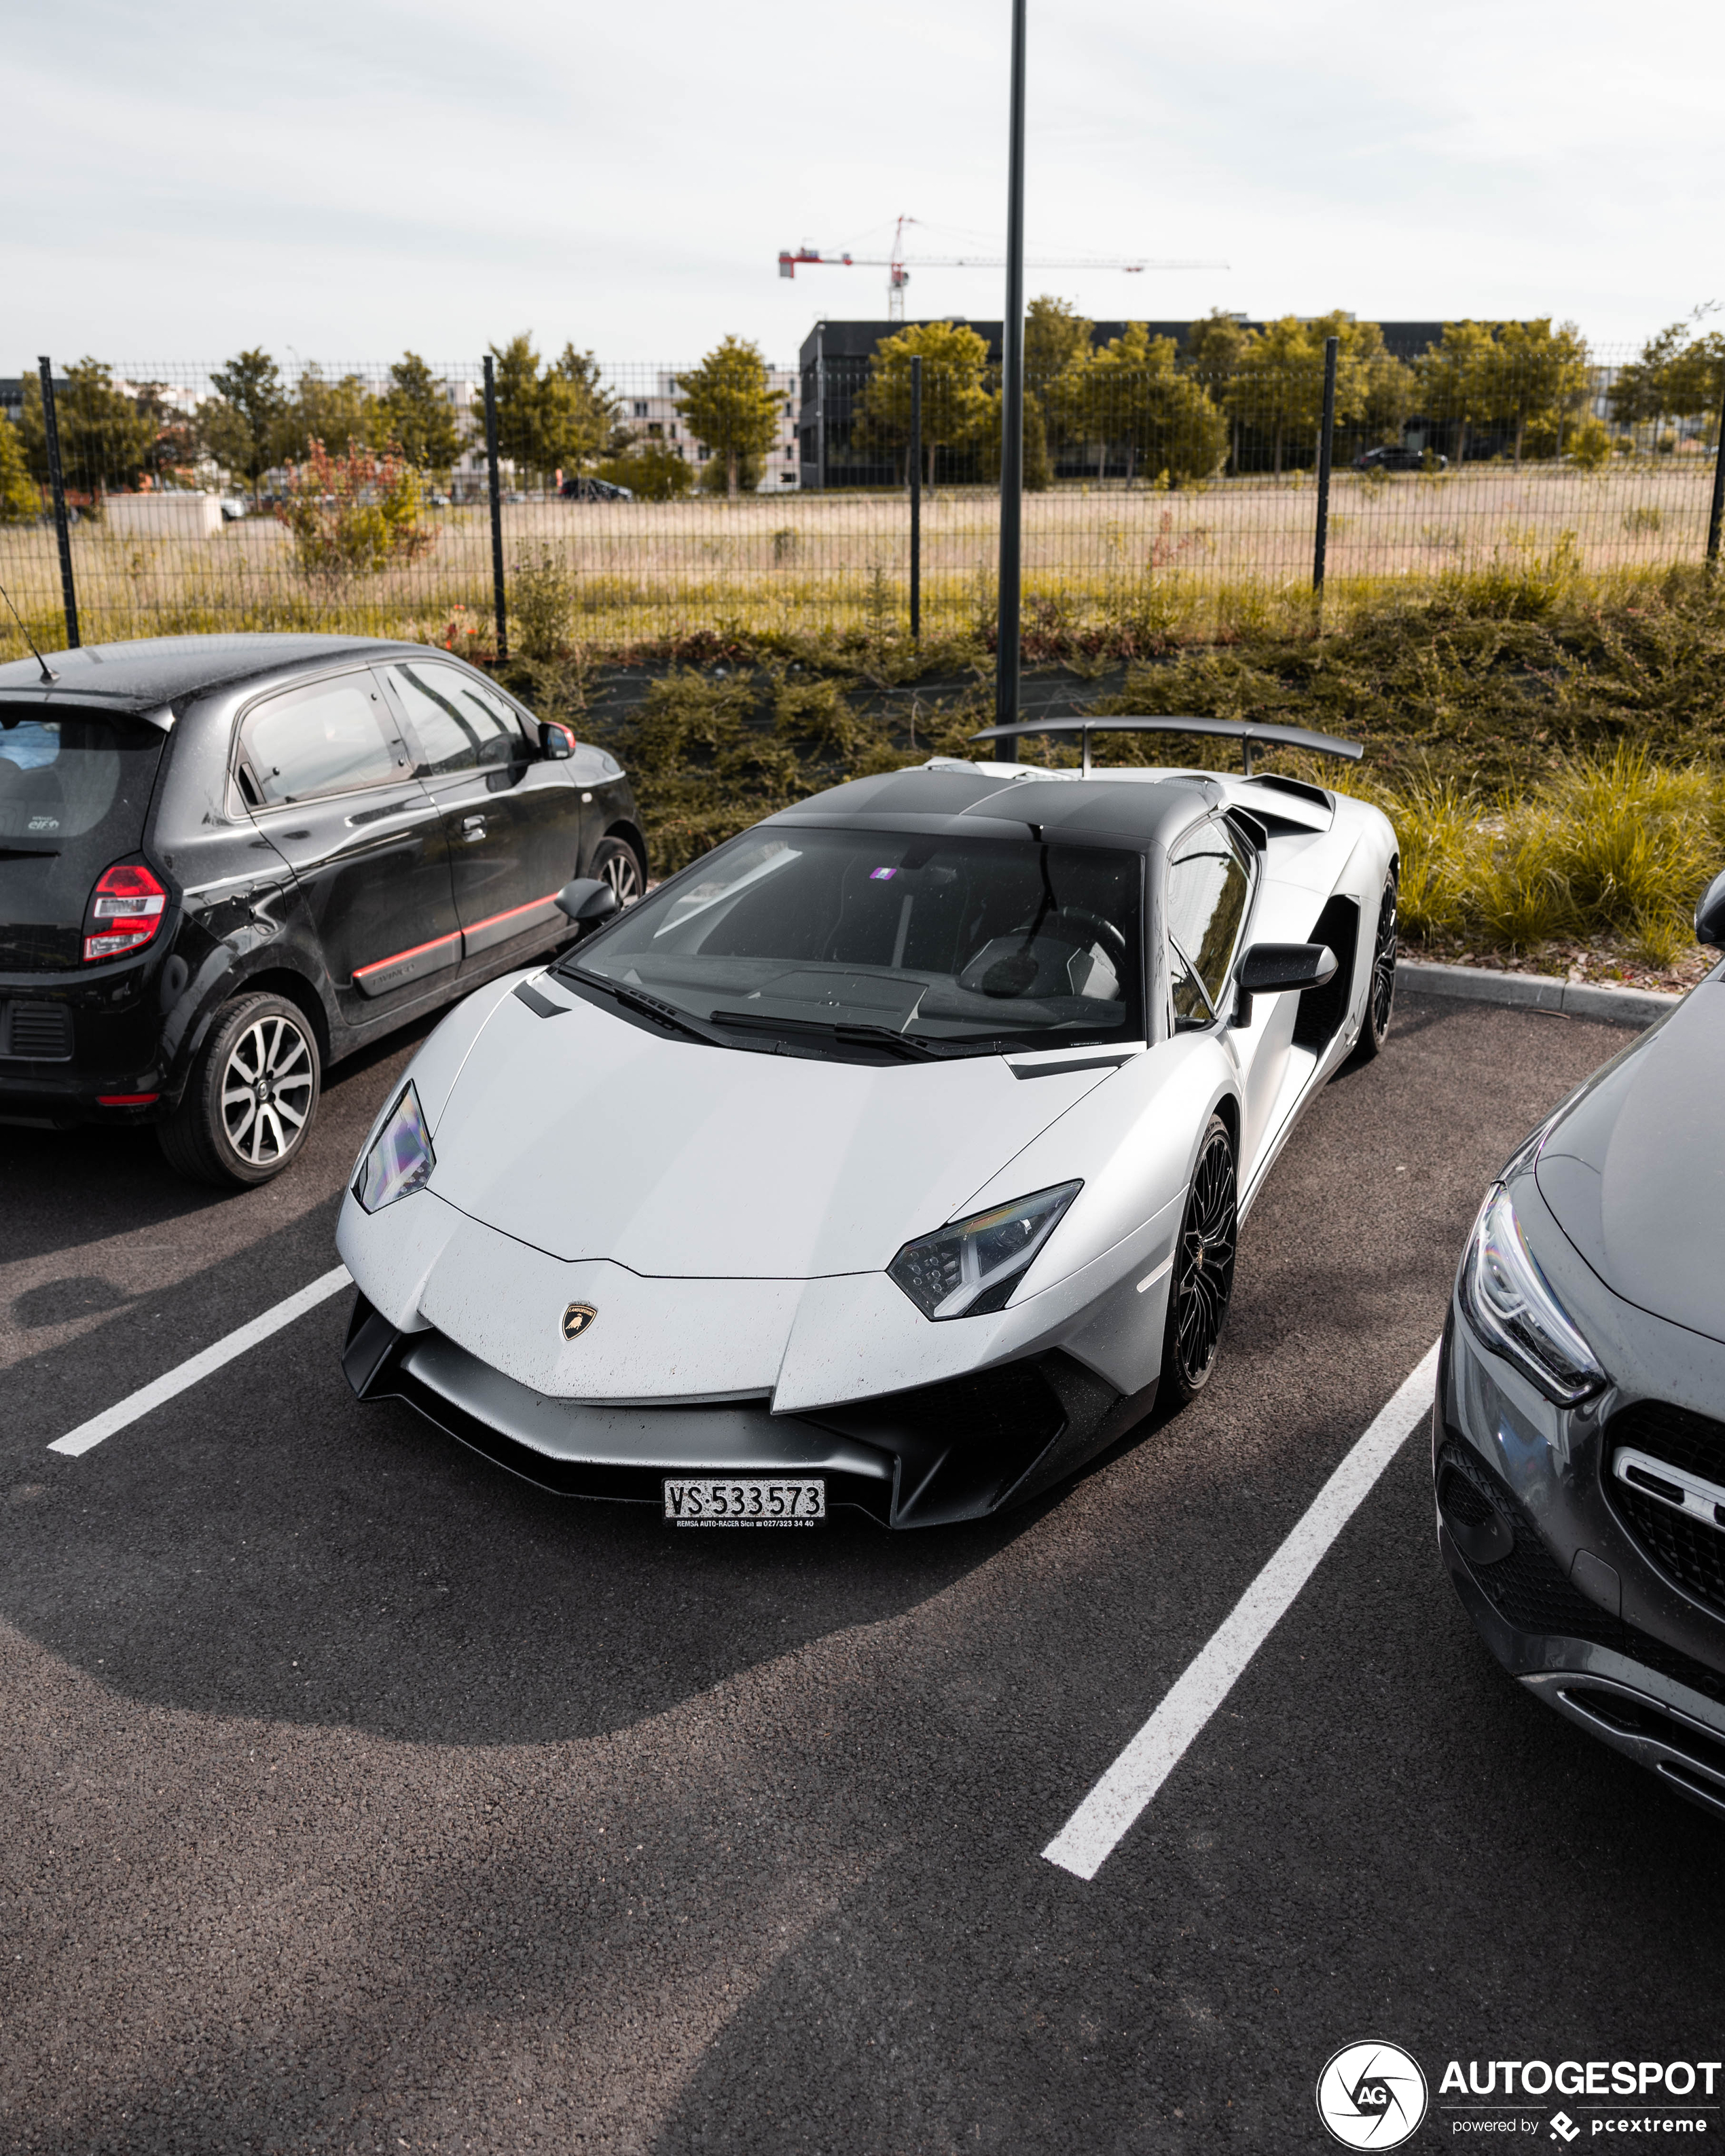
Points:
(1095, 1829)
(188, 1374)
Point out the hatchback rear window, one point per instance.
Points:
(75, 791)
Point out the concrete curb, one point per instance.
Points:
(1536, 992)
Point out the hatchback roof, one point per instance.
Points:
(143, 675)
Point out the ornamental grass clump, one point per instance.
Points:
(1619, 845)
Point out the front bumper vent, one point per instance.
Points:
(1684, 1541)
(35, 1033)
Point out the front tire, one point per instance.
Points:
(1202, 1287)
(1380, 991)
(251, 1098)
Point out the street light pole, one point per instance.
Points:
(1012, 408)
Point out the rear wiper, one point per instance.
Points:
(864, 1036)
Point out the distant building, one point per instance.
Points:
(652, 415)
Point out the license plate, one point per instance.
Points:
(747, 1500)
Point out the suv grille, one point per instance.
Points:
(1529, 1592)
(1686, 1549)
(36, 1033)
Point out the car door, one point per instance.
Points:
(329, 780)
(1210, 883)
(511, 819)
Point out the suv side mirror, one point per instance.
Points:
(1271, 969)
(587, 902)
(1710, 914)
(557, 743)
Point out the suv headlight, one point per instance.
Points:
(399, 1159)
(1510, 1306)
(974, 1265)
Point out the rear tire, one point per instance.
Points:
(1380, 990)
(251, 1098)
(616, 862)
(1202, 1287)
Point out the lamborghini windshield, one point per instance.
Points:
(972, 943)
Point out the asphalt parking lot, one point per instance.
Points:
(357, 1797)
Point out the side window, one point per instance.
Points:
(460, 724)
(1207, 886)
(333, 737)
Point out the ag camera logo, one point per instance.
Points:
(1371, 2096)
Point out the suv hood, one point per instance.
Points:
(1633, 1170)
(587, 1138)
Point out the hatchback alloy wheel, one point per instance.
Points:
(267, 1089)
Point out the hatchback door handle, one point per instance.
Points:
(472, 827)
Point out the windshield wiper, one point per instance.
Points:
(864, 1036)
(637, 1000)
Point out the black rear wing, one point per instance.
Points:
(1250, 733)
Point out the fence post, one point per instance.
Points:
(56, 479)
(1011, 410)
(1326, 445)
(917, 496)
(1717, 510)
(496, 509)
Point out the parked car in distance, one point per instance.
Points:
(234, 506)
(226, 862)
(1397, 456)
(1579, 1441)
(594, 489)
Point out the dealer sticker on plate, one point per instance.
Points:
(748, 1501)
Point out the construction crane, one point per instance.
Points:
(898, 267)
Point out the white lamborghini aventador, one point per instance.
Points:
(890, 1156)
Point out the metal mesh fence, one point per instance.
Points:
(640, 504)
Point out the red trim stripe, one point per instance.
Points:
(126, 1100)
(472, 927)
(378, 965)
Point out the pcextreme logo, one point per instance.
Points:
(1371, 2096)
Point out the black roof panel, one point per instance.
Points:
(151, 671)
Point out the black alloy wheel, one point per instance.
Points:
(1380, 996)
(616, 862)
(1203, 1283)
(251, 1098)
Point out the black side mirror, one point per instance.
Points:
(557, 744)
(587, 902)
(1710, 914)
(1272, 969)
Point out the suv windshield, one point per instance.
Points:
(979, 942)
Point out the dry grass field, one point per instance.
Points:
(796, 564)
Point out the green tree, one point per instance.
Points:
(341, 411)
(731, 407)
(1277, 384)
(955, 361)
(1457, 378)
(20, 497)
(352, 514)
(1215, 346)
(240, 425)
(1134, 395)
(559, 420)
(1056, 340)
(1678, 374)
(415, 416)
(105, 439)
(1533, 374)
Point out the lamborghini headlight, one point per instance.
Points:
(974, 1265)
(399, 1159)
(1510, 1306)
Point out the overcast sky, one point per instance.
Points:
(340, 181)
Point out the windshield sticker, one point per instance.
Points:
(881, 875)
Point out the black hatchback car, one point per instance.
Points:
(1398, 456)
(1579, 1437)
(228, 861)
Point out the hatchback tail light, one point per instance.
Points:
(126, 911)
